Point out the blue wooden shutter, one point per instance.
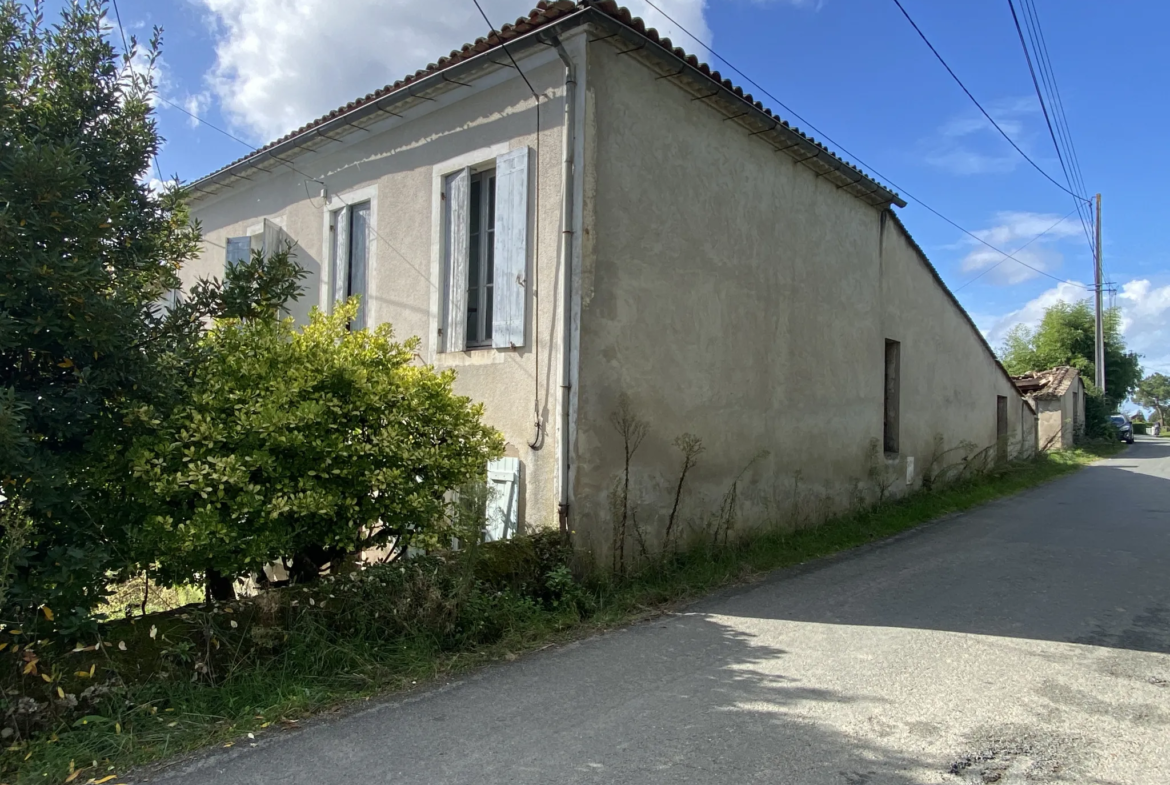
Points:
(503, 502)
(511, 253)
(458, 198)
(340, 255)
(273, 238)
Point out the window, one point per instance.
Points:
(481, 242)
(1001, 427)
(351, 255)
(892, 396)
(239, 249)
(486, 254)
(267, 238)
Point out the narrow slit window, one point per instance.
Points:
(892, 395)
(1001, 427)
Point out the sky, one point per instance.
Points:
(854, 70)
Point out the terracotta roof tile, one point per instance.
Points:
(1047, 385)
(545, 13)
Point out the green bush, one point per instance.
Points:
(1097, 423)
(310, 442)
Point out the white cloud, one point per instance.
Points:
(1145, 318)
(281, 63)
(968, 143)
(1030, 314)
(196, 104)
(815, 5)
(1010, 233)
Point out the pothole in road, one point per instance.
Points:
(1017, 756)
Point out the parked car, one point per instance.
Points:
(1124, 427)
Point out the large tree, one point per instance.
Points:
(87, 251)
(1154, 392)
(1067, 336)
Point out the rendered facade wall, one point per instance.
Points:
(731, 294)
(400, 169)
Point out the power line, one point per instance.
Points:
(755, 84)
(842, 148)
(126, 52)
(981, 109)
(1022, 247)
(196, 117)
(504, 46)
(1044, 109)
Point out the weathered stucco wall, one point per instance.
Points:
(732, 294)
(398, 169)
(1053, 435)
(1061, 419)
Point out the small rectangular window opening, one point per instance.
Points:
(892, 396)
(1001, 427)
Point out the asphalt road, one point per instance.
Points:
(1027, 641)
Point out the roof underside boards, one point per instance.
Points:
(607, 22)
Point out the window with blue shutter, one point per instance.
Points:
(486, 245)
(351, 254)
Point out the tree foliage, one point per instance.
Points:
(1067, 336)
(294, 439)
(1154, 392)
(90, 252)
(87, 251)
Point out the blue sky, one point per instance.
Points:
(856, 70)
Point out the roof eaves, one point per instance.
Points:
(547, 18)
(634, 30)
(552, 18)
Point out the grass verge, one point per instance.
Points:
(156, 711)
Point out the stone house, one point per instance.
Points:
(573, 212)
(1058, 396)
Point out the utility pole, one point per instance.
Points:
(1100, 358)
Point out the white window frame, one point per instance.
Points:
(475, 161)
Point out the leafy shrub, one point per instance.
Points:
(301, 441)
(1097, 412)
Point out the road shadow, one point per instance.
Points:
(1084, 559)
(732, 690)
